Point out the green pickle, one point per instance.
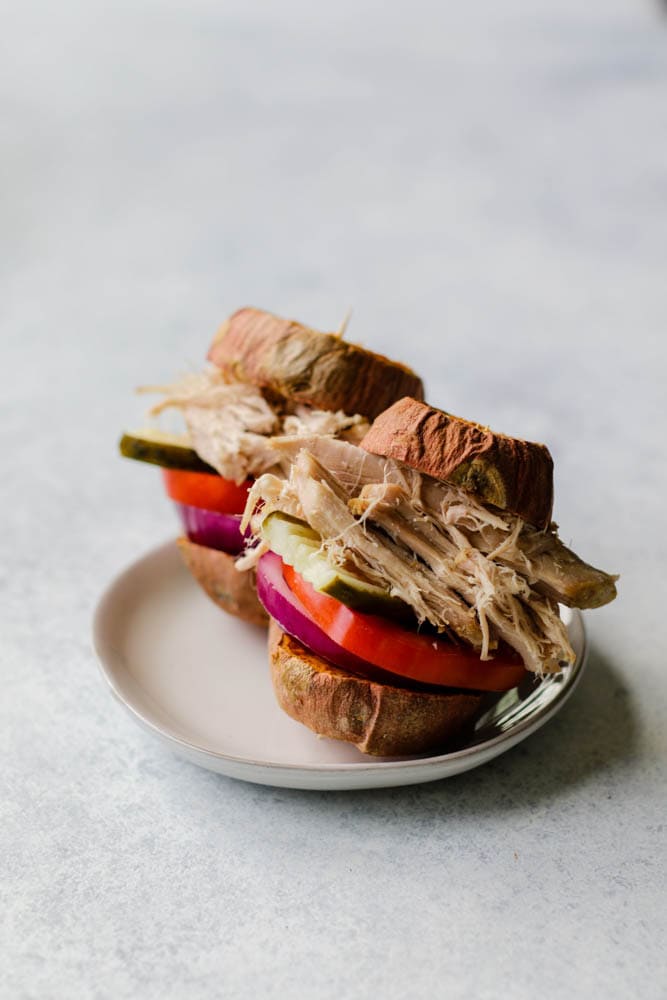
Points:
(299, 545)
(166, 450)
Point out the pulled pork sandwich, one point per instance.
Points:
(409, 575)
(267, 377)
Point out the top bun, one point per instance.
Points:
(509, 473)
(306, 366)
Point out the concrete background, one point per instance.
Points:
(487, 186)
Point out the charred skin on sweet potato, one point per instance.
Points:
(306, 366)
(506, 472)
(216, 574)
(378, 718)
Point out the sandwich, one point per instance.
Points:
(266, 377)
(411, 576)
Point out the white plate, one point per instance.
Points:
(199, 680)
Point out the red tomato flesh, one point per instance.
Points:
(428, 659)
(206, 490)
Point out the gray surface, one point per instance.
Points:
(487, 186)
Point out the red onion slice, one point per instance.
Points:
(209, 528)
(283, 605)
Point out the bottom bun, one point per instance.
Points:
(379, 719)
(232, 591)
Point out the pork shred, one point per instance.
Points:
(230, 424)
(478, 574)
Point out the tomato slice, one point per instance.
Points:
(425, 658)
(206, 490)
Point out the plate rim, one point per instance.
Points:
(507, 739)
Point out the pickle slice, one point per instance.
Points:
(171, 451)
(299, 545)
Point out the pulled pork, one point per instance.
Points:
(478, 574)
(230, 424)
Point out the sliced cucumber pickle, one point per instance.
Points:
(171, 451)
(299, 546)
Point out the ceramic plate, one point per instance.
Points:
(199, 680)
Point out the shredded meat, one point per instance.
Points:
(231, 423)
(479, 573)
(549, 566)
(502, 598)
(303, 421)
